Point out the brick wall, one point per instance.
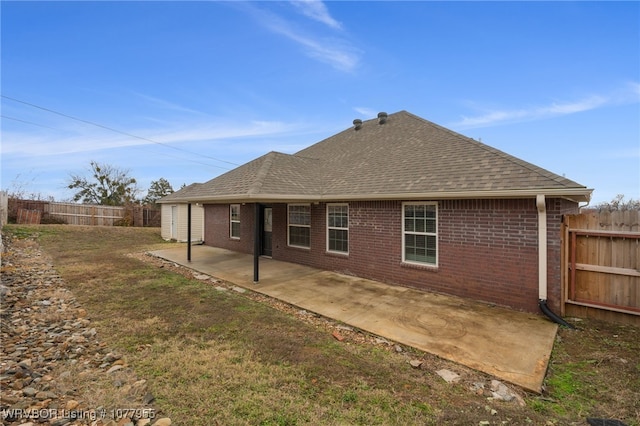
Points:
(217, 228)
(488, 249)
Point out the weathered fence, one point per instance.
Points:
(601, 265)
(29, 217)
(82, 214)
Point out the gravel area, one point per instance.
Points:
(54, 369)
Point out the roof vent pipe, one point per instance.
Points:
(357, 124)
(382, 117)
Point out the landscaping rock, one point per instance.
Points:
(501, 392)
(415, 363)
(46, 335)
(448, 376)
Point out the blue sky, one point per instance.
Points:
(188, 90)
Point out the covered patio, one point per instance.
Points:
(510, 345)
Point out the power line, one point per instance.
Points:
(28, 122)
(112, 130)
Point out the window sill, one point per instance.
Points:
(422, 267)
(303, 248)
(336, 254)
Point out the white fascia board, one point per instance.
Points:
(573, 194)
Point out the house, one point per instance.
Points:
(174, 217)
(404, 201)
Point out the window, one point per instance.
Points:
(234, 219)
(338, 228)
(299, 225)
(420, 238)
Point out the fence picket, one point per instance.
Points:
(603, 268)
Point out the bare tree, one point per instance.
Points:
(619, 203)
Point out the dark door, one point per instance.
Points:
(267, 225)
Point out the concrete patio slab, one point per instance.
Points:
(512, 346)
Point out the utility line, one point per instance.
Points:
(28, 122)
(113, 130)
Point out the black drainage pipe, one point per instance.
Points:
(548, 312)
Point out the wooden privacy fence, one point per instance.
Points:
(29, 217)
(28, 211)
(84, 214)
(601, 265)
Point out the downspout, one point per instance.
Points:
(542, 262)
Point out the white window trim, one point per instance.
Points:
(289, 225)
(334, 227)
(404, 233)
(231, 221)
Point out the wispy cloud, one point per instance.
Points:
(366, 112)
(86, 139)
(317, 11)
(164, 104)
(629, 94)
(337, 52)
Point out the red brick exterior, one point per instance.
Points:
(487, 249)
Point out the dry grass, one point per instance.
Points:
(215, 357)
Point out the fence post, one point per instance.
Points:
(4, 208)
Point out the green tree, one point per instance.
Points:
(158, 189)
(108, 185)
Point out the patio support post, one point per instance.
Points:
(189, 232)
(256, 242)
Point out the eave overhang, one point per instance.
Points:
(573, 194)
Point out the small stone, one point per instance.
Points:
(26, 363)
(143, 422)
(398, 348)
(30, 392)
(415, 363)
(45, 395)
(501, 392)
(72, 404)
(115, 368)
(448, 376)
(165, 421)
(148, 399)
(236, 289)
(125, 422)
(201, 277)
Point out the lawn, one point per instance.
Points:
(229, 358)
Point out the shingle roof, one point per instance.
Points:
(407, 157)
(178, 195)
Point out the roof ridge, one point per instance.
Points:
(262, 172)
